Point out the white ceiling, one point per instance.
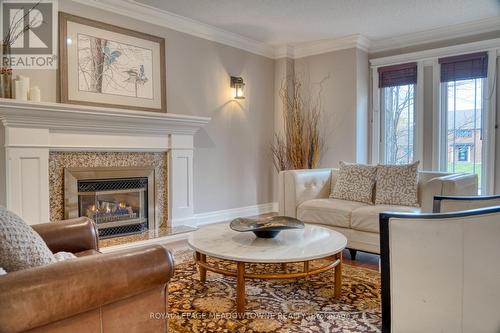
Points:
(280, 22)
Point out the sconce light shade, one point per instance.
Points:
(238, 86)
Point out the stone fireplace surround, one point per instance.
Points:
(60, 161)
(37, 136)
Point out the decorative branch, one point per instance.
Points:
(301, 144)
(11, 36)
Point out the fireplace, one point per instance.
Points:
(37, 136)
(119, 200)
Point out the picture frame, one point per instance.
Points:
(109, 66)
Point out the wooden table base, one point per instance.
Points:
(241, 275)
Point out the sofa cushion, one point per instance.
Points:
(20, 246)
(367, 218)
(333, 212)
(397, 185)
(355, 182)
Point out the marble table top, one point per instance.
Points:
(312, 242)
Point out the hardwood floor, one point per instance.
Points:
(363, 259)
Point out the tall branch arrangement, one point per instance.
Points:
(16, 29)
(301, 144)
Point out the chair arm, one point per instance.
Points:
(443, 204)
(41, 295)
(297, 186)
(73, 235)
(454, 184)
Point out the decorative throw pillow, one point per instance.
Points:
(62, 256)
(20, 246)
(355, 182)
(397, 185)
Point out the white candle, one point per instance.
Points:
(21, 90)
(35, 94)
(26, 79)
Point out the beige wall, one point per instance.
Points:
(232, 165)
(362, 92)
(284, 69)
(344, 99)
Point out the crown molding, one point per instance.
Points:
(284, 51)
(307, 49)
(436, 35)
(142, 12)
(429, 56)
(183, 24)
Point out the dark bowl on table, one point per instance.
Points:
(268, 227)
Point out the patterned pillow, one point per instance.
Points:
(20, 246)
(355, 182)
(397, 185)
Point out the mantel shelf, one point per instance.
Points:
(59, 116)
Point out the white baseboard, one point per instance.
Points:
(229, 214)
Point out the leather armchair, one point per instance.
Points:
(114, 292)
(439, 271)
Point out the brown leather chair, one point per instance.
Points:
(122, 291)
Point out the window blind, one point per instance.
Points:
(397, 75)
(464, 67)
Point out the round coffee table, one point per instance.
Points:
(290, 246)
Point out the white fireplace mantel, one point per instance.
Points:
(32, 129)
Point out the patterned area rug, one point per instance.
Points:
(302, 306)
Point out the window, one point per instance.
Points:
(463, 113)
(463, 133)
(462, 153)
(397, 97)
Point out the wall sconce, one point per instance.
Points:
(237, 85)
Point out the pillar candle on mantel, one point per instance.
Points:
(35, 94)
(21, 87)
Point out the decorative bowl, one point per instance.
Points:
(266, 228)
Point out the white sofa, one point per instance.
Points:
(304, 194)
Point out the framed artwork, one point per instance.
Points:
(105, 65)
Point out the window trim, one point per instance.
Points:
(429, 58)
(377, 153)
(491, 122)
(489, 105)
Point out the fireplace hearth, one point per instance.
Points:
(119, 200)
